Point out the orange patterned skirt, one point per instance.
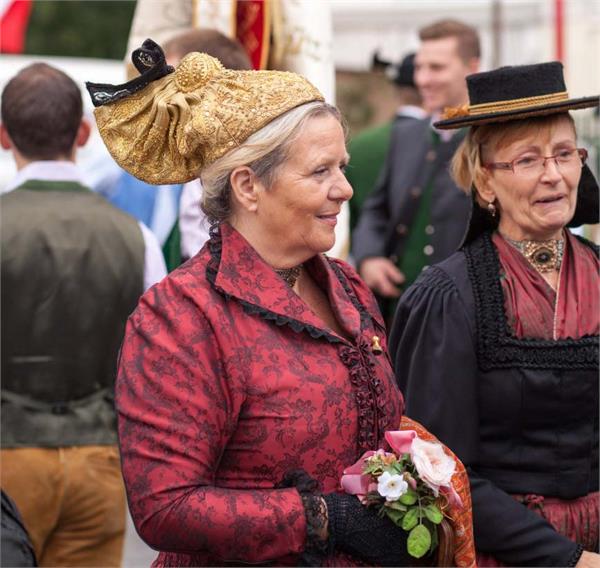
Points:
(462, 519)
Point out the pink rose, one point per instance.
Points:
(435, 467)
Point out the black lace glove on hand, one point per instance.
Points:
(359, 531)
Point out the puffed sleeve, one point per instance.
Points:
(432, 344)
(177, 407)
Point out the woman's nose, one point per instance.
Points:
(341, 189)
(552, 171)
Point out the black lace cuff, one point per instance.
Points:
(575, 556)
(149, 60)
(315, 511)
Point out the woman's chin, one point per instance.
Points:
(554, 222)
(328, 245)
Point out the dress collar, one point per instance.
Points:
(242, 274)
(47, 170)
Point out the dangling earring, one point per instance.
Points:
(491, 209)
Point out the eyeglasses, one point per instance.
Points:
(536, 165)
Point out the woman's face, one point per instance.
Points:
(298, 213)
(535, 204)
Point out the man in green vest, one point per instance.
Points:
(73, 268)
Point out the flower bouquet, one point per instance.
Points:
(412, 486)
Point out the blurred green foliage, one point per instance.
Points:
(76, 28)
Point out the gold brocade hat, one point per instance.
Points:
(166, 125)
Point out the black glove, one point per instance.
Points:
(359, 531)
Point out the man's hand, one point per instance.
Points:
(381, 275)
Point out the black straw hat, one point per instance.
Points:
(513, 93)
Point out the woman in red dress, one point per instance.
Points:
(253, 374)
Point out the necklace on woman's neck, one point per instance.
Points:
(544, 256)
(290, 275)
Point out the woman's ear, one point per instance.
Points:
(245, 188)
(483, 192)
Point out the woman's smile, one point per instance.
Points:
(329, 218)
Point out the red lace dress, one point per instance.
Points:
(227, 381)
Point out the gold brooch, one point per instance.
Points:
(544, 256)
(376, 346)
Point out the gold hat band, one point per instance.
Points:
(503, 106)
(515, 104)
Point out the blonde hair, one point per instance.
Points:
(467, 167)
(263, 152)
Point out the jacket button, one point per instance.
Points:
(429, 230)
(415, 191)
(428, 250)
(401, 229)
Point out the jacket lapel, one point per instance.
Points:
(244, 275)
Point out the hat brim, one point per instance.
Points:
(506, 116)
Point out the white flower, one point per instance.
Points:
(434, 466)
(392, 487)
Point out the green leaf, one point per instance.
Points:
(433, 513)
(409, 498)
(395, 516)
(396, 505)
(419, 541)
(411, 518)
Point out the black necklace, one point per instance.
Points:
(290, 275)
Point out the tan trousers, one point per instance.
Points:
(72, 501)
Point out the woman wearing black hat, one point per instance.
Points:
(496, 348)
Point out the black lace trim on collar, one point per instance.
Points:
(496, 347)
(149, 60)
(212, 268)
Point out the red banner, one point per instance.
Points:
(253, 29)
(13, 26)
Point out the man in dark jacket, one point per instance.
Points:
(72, 268)
(369, 148)
(416, 215)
